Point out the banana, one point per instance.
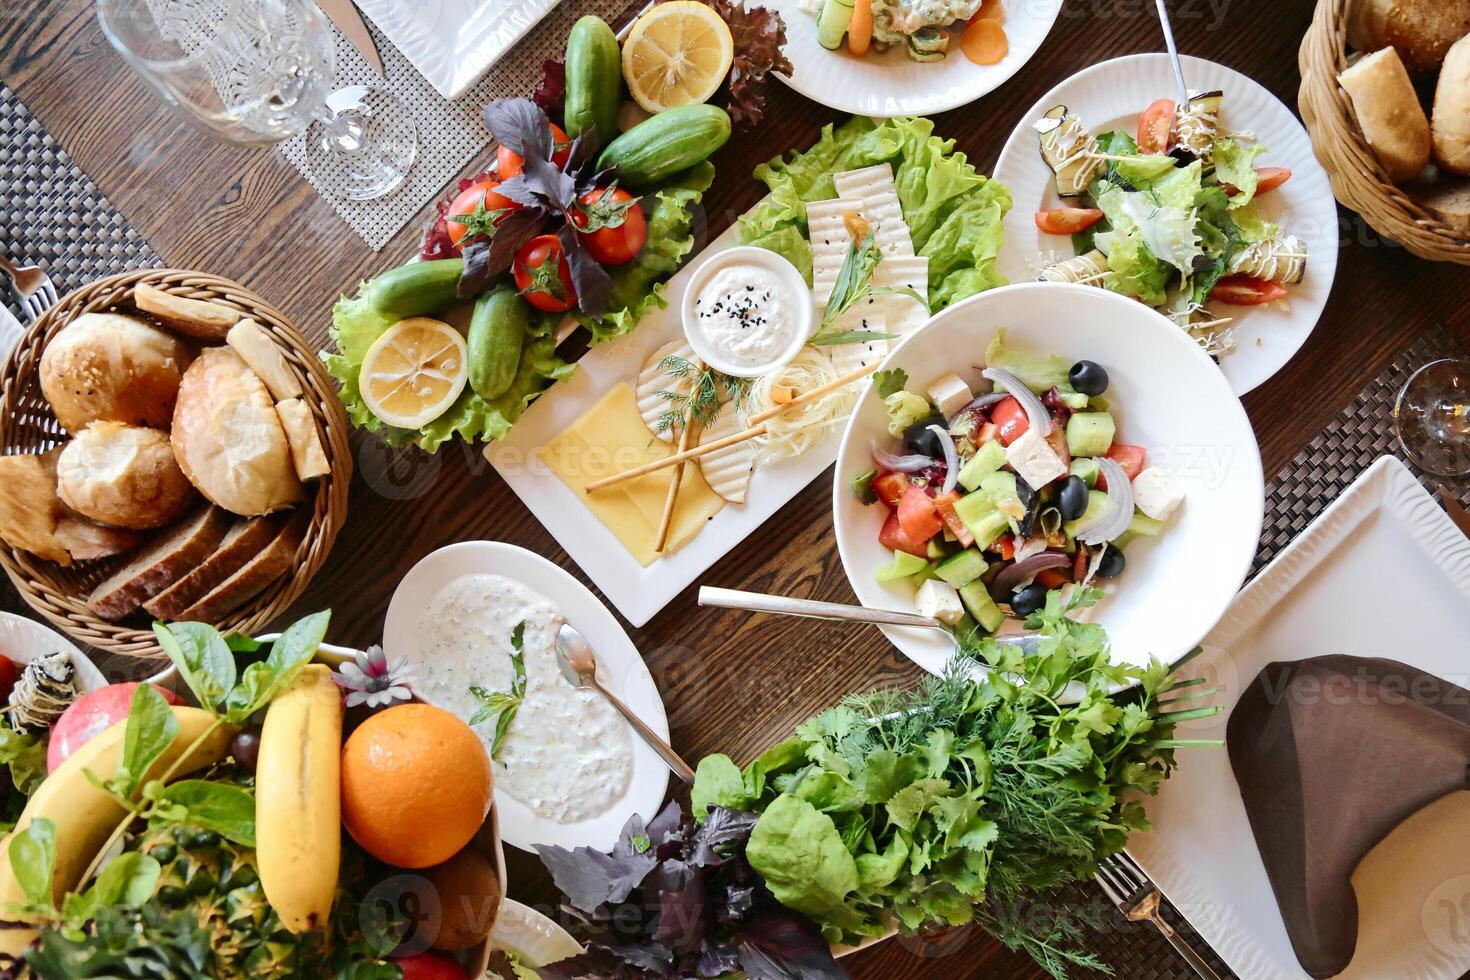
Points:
(84, 815)
(298, 800)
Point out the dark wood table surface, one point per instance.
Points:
(732, 683)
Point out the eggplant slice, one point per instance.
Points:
(1069, 149)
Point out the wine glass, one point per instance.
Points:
(1432, 418)
(260, 71)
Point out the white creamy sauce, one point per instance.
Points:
(744, 311)
(567, 754)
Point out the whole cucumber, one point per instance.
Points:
(497, 333)
(416, 289)
(594, 77)
(659, 147)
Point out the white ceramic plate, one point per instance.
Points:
(1382, 572)
(1111, 96)
(453, 42)
(23, 640)
(620, 668)
(891, 84)
(1166, 396)
(533, 937)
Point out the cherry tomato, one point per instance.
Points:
(543, 276)
(1131, 458)
(1155, 125)
(890, 488)
(8, 674)
(474, 198)
(893, 538)
(429, 966)
(618, 234)
(1267, 179)
(1010, 421)
(509, 163)
(1067, 221)
(1247, 291)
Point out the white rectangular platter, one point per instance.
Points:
(637, 592)
(1381, 572)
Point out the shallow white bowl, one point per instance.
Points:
(1166, 395)
(23, 640)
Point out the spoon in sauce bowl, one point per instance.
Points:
(579, 666)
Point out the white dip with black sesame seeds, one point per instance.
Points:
(567, 754)
(744, 312)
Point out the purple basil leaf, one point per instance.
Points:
(595, 964)
(555, 186)
(589, 179)
(518, 124)
(652, 957)
(523, 191)
(633, 838)
(514, 230)
(668, 825)
(781, 945)
(584, 151)
(736, 901)
(683, 918)
(722, 830)
(590, 280)
(590, 878)
(476, 276)
(551, 91)
(717, 960)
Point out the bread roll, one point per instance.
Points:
(194, 317)
(306, 446)
(114, 368)
(265, 359)
(123, 475)
(1389, 113)
(1451, 124)
(1446, 196)
(1420, 30)
(29, 508)
(228, 439)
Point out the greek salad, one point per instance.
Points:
(997, 494)
(1166, 216)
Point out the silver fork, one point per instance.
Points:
(37, 293)
(1138, 899)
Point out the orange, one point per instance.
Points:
(416, 785)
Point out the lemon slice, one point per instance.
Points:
(677, 54)
(414, 372)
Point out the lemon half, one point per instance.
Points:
(677, 54)
(414, 372)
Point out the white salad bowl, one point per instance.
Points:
(23, 640)
(1166, 395)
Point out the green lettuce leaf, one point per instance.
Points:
(1235, 165)
(1136, 272)
(802, 858)
(1179, 188)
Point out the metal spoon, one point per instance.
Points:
(579, 666)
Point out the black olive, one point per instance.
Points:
(1088, 377)
(245, 748)
(1112, 562)
(918, 438)
(1026, 601)
(1072, 501)
(172, 896)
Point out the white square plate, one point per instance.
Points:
(1381, 572)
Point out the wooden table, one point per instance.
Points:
(733, 683)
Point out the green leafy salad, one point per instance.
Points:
(969, 800)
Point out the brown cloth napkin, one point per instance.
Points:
(1332, 754)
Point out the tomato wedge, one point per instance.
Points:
(1247, 291)
(890, 488)
(1067, 221)
(1267, 179)
(1052, 578)
(944, 504)
(1155, 125)
(918, 516)
(1010, 421)
(892, 537)
(1131, 458)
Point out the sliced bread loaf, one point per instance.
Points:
(261, 570)
(244, 541)
(172, 554)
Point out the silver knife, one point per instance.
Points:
(1456, 512)
(349, 21)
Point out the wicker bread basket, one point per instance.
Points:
(27, 425)
(1358, 180)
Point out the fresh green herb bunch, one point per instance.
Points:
(698, 392)
(972, 799)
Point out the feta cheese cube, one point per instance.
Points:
(1156, 493)
(940, 601)
(950, 394)
(1034, 460)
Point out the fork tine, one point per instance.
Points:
(1103, 880)
(32, 309)
(1125, 863)
(48, 290)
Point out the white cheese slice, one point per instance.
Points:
(874, 185)
(905, 314)
(828, 235)
(1034, 460)
(652, 380)
(1157, 493)
(939, 600)
(728, 470)
(868, 314)
(950, 394)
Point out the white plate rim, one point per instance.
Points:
(1312, 196)
(37, 639)
(531, 935)
(621, 668)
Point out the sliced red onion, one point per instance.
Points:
(1115, 520)
(901, 464)
(951, 457)
(1031, 546)
(1019, 575)
(983, 402)
(1036, 412)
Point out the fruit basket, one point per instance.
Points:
(1358, 180)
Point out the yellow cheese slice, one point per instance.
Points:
(611, 438)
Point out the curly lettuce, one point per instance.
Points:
(1235, 165)
(953, 211)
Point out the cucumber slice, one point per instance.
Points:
(832, 23)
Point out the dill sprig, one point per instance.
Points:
(704, 390)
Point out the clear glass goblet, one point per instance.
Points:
(1432, 418)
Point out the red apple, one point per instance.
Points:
(91, 715)
(430, 966)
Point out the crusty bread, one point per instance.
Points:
(228, 438)
(29, 508)
(86, 541)
(261, 570)
(123, 475)
(159, 565)
(265, 359)
(1388, 110)
(1420, 30)
(1450, 125)
(106, 366)
(1446, 196)
(196, 318)
(246, 539)
(306, 446)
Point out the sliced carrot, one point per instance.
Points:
(860, 28)
(984, 42)
(990, 10)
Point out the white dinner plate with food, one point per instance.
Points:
(890, 83)
(1163, 393)
(23, 640)
(1324, 594)
(1111, 96)
(569, 770)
